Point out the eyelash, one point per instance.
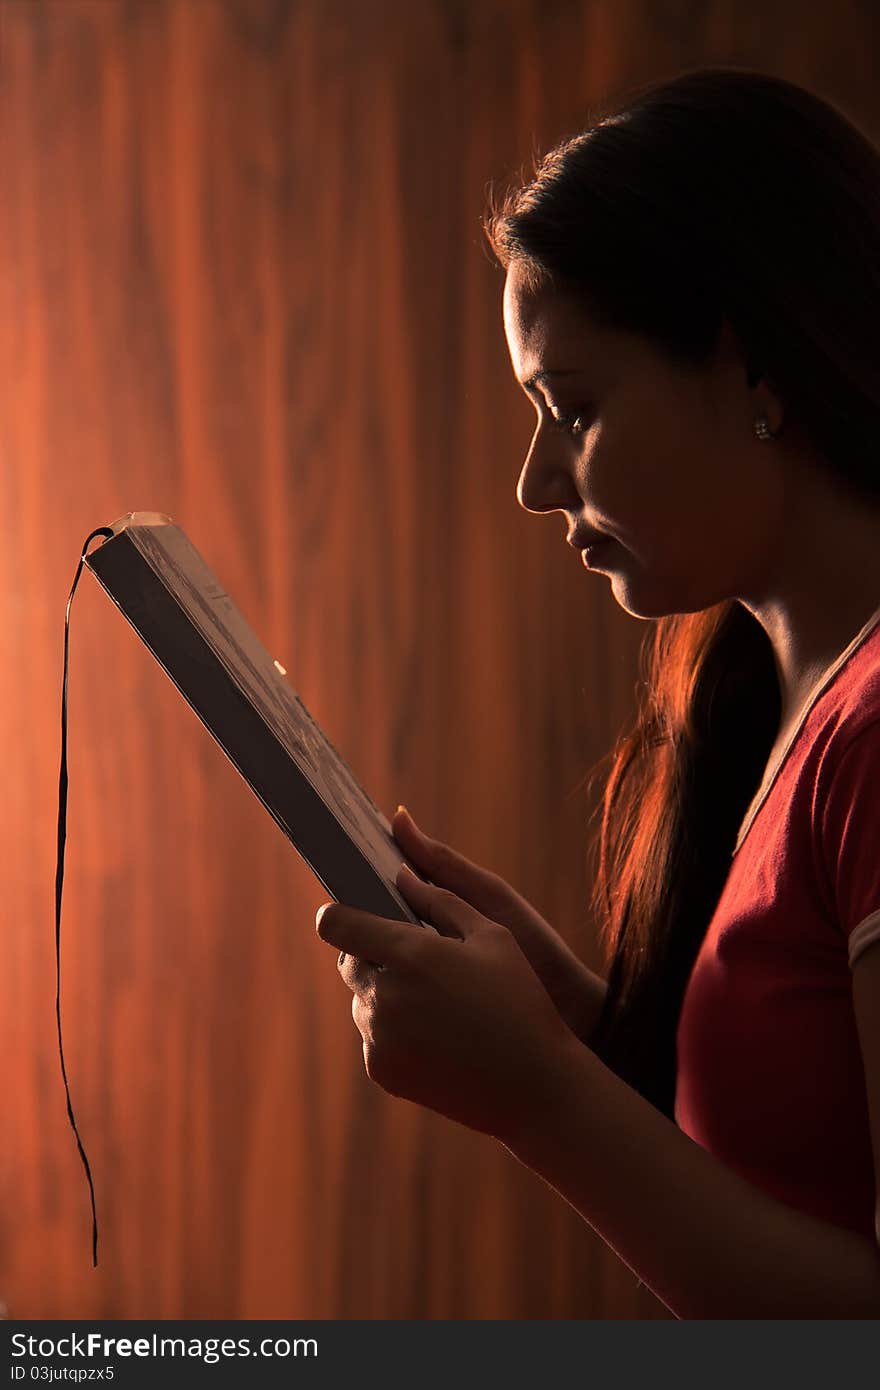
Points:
(564, 422)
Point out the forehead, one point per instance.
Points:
(542, 323)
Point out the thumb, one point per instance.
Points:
(450, 914)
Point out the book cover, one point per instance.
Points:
(179, 608)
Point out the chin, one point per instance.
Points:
(654, 600)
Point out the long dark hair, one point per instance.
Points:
(719, 193)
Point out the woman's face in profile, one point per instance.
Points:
(661, 458)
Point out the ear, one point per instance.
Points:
(763, 399)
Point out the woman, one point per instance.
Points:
(690, 303)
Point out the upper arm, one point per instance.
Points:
(849, 825)
(866, 1003)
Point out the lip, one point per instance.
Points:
(584, 540)
(591, 544)
(592, 554)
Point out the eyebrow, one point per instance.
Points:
(542, 376)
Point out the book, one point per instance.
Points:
(180, 610)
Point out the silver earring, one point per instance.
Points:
(762, 428)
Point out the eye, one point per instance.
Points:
(574, 424)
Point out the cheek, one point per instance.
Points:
(656, 489)
(676, 522)
(692, 487)
(681, 511)
(648, 503)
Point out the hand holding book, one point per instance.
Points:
(574, 989)
(455, 1019)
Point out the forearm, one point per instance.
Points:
(583, 1000)
(705, 1241)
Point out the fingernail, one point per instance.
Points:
(408, 817)
(319, 914)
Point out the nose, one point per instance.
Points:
(545, 482)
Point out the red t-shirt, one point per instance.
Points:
(770, 1076)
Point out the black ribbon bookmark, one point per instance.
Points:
(59, 876)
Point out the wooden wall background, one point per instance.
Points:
(242, 281)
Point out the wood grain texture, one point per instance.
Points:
(242, 281)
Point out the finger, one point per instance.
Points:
(363, 1017)
(450, 914)
(447, 867)
(377, 939)
(359, 975)
(407, 832)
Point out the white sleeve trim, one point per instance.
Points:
(861, 937)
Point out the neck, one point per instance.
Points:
(824, 587)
